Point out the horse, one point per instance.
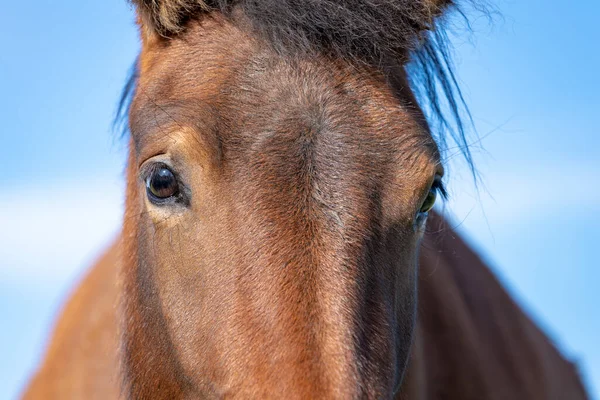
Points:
(279, 239)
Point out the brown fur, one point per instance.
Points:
(287, 265)
(472, 341)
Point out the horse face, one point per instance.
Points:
(274, 212)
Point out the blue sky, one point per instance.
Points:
(531, 80)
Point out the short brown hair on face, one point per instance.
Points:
(303, 172)
(327, 164)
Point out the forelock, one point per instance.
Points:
(369, 30)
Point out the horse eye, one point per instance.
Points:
(429, 201)
(161, 183)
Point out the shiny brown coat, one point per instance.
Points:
(472, 341)
(285, 261)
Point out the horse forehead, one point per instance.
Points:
(216, 54)
(270, 88)
(218, 72)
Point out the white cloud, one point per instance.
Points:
(52, 232)
(518, 195)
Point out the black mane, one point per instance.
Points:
(366, 31)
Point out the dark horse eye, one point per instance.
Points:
(436, 187)
(162, 184)
(429, 200)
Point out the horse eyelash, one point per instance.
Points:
(441, 188)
